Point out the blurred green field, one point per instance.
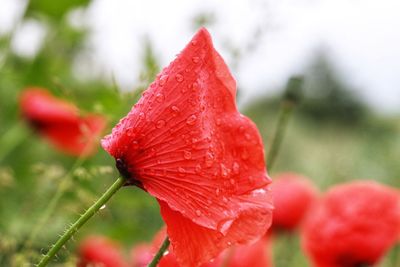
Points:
(331, 139)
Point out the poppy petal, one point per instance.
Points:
(186, 142)
(193, 243)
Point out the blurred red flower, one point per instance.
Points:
(100, 251)
(253, 255)
(354, 225)
(60, 123)
(293, 196)
(186, 144)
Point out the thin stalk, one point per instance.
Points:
(160, 253)
(290, 99)
(89, 213)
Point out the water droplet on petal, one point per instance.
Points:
(187, 154)
(160, 124)
(194, 42)
(232, 181)
(160, 97)
(209, 159)
(191, 120)
(217, 191)
(195, 87)
(179, 77)
(236, 168)
(175, 110)
(198, 213)
(163, 80)
(182, 171)
(247, 136)
(198, 168)
(224, 171)
(135, 145)
(195, 60)
(224, 199)
(218, 122)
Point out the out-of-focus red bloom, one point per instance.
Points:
(186, 144)
(293, 196)
(100, 251)
(253, 255)
(354, 225)
(60, 123)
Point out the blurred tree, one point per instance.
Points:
(327, 96)
(54, 9)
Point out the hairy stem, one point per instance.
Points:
(160, 253)
(81, 221)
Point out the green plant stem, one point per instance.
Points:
(11, 139)
(283, 119)
(81, 221)
(290, 99)
(160, 253)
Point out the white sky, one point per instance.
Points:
(363, 37)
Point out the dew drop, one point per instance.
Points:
(224, 199)
(160, 97)
(247, 136)
(195, 87)
(236, 168)
(175, 110)
(187, 154)
(218, 122)
(163, 80)
(103, 207)
(197, 168)
(191, 120)
(195, 60)
(135, 145)
(209, 159)
(232, 181)
(217, 191)
(160, 124)
(198, 213)
(224, 171)
(182, 171)
(179, 77)
(129, 132)
(194, 42)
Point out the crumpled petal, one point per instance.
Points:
(59, 121)
(194, 244)
(187, 145)
(355, 224)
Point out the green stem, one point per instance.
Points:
(160, 253)
(81, 221)
(290, 99)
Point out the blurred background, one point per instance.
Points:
(100, 54)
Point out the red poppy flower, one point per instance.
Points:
(254, 255)
(186, 144)
(293, 196)
(354, 225)
(60, 123)
(100, 251)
